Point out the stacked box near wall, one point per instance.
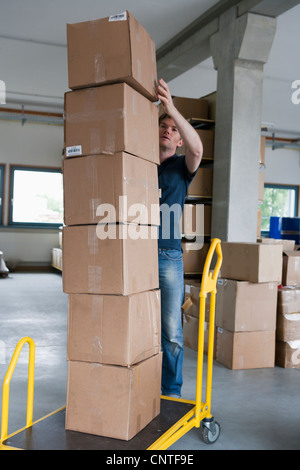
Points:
(246, 305)
(288, 312)
(111, 207)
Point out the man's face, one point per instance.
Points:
(169, 137)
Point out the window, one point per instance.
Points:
(279, 201)
(1, 192)
(36, 197)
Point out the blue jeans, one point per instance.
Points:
(171, 284)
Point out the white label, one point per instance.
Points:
(75, 150)
(119, 17)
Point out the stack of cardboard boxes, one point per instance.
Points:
(111, 206)
(288, 311)
(246, 305)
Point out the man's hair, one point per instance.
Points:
(162, 117)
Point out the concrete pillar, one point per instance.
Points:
(240, 49)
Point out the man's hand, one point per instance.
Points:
(193, 144)
(163, 93)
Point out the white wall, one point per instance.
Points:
(31, 144)
(282, 166)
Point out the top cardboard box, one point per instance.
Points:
(112, 49)
(253, 262)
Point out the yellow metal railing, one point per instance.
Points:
(30, 387)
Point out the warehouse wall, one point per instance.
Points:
(31, 144)
(282, 166)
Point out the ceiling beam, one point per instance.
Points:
(191, 46)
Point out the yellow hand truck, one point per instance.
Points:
(49, 433)
(200, 414)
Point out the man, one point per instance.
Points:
(174, 174)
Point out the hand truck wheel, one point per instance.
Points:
(210, 430)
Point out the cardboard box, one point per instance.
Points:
(288, 299)
(191, 304)
(245, 349)
(110, 119)
(287, 245)
(291, 268)
(113, 401)
(191, 107)
(207, 137)
(246, 306)
(202, 184)
(109, 266)
(288, 327)
(253, 262)
(287, 354)
(126, 183)
(194, 259)
(190, 328)
(114, 329)
(112, 49)
(211, 99)
(196, 219)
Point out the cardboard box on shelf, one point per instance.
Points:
(202, 184)
(191, 107)
(112, 49)
(128, 185)
(288, 327)
(113, 401)
(190, 329)
(288, 299)
(287, 354)
(110, 119)
(194, 259)
(191, 304)
(114, 329)
(207, 137)
(291, 268)
(211, 98)
(246, 306)
(245, 349)
(113, 265)
(196, 219)
(253, 262)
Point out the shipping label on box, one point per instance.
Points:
(114, 329)
(107, 120)
(112, 49)
(110, 189)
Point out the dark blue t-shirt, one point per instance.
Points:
(174, 180)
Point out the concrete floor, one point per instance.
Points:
(257, 409)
